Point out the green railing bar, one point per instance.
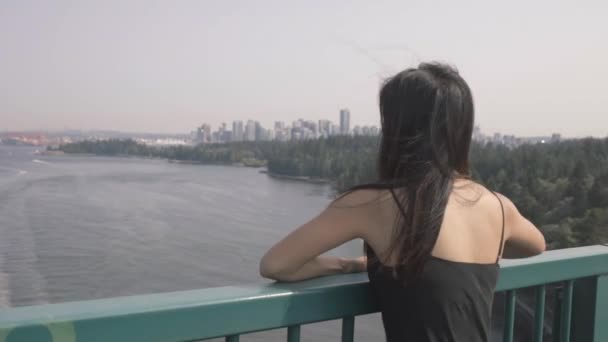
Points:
(539, 314)
(198, 314)
(509, 316)
(552, 267)
(233, 338)
(348, 329)
(566, 312)
(232, 310)
(293, 333)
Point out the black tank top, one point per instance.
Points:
(447, 301)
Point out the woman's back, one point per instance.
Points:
(470, 232)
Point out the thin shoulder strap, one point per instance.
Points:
(502, 234)
(399, 204)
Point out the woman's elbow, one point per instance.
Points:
(537, 247)
(267, 272)
(542, 245)
(524, 249)
(272, 270)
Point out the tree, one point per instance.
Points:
(577, 188)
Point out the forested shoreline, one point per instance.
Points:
(562, 187)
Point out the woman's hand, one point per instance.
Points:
(354, 265)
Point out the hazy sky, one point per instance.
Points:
(535, 67)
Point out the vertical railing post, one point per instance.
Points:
(539, 314)
(557, 309)
(348, 329)
(293, 333)
(590, 309)
(509, 326)
(566, 312)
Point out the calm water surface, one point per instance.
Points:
(75, 228)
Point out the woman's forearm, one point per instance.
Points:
(512, 251)
(321, 266)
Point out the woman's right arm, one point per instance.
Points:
(522, 238)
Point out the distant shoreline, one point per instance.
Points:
(305, 179)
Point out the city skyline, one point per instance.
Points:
(166, 67)
(253, 130)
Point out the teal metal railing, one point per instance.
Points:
(229, 312)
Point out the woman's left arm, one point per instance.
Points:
(298, 256)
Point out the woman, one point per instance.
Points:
(433, 237)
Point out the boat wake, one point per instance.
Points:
(41, 162)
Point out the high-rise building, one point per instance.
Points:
(556, 137)
(237, 131)
(250, 130)
(324, 128)
(199, 135)
(497, 138)
(477, 136)
(309, 129)
(280, 131)
(335, 129)
(259, 131)
(203, 134)
(344, 121)
(227, 137)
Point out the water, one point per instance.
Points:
(75, 228)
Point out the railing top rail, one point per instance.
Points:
(553, 266)
(206, 313)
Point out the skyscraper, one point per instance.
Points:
(237, 130)
(259, 131)
(203, 134)
(324, 128)
(335, 129)
(344, 121)
(280, 132)
(250, 130)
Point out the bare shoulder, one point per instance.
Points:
(492, 202)
(509, 208)
(476, 196)
(361, 198)
(369, 210)
(477, 192)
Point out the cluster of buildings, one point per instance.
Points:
(55, 139)
(28, 139)
(512, 140)
(298, 130)
(246, 131)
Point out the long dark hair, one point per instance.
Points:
(427, 120)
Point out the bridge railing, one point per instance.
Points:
(230, 312)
